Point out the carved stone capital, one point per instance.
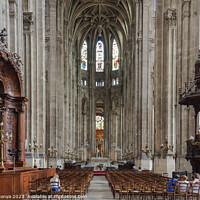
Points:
(27, 21)
(170, 17)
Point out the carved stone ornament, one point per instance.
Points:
(27, 21)
(3, 39)
(170, 17)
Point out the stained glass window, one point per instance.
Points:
(115, 56)
(99, 56)
(99, 122)
(84, 56)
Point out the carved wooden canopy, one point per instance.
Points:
(12, 106)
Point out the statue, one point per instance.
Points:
(99, 148)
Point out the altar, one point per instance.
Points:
(97, 160)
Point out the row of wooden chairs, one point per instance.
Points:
(133, 185)
(72, 183)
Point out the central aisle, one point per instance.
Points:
(99, 189)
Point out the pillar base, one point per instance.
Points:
(164, 165)
(146, 164)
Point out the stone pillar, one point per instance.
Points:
(66, 76)
(21, 136)
(60, 80)
(13, 25)
(28, 65)
(137, 74)
(147, 68)
(40, 92)
(52, 73)
(35, 70)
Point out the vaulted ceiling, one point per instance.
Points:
(99, 18)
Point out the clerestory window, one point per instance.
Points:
(99, 56)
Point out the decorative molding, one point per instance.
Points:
(170, 17)
(96, 1)
(27, 21)
(12, 7)
(3, 39)
(140, 35)
(13, 58)
(47, 41)
(137, 1)
(186, 8)
(146, 2)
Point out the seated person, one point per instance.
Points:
(183, 184)
(58, 168)
(195, 184)
(139, 169)
(172, 183)
(195, 179)
(134, 170)
(55, 183)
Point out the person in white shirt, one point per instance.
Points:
(55, 183)
(184, 184)
(195, 184)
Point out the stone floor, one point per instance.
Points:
(99, 189)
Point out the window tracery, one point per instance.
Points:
(115, 56)
(99, 122)
(84, 56)
(99, 56)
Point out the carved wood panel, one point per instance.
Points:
(10, 80)
(11, 126)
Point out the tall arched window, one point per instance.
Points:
(115, 56)
(84, 56)
(99, 56)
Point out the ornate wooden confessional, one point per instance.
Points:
(12, 104)
(191, 96)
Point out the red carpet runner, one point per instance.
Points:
(99, 173)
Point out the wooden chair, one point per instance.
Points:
(183, 189)
(116, 188)
(171, 190)
(194, 191)
(45, 188)
(147, 191)
(54, 188)
(33, 188)
(159, 190)
(132, 190)
(124, 190)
